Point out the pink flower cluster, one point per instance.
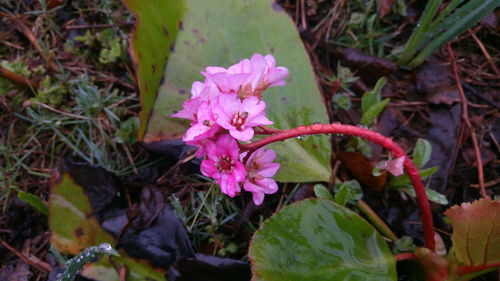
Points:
(225, 109)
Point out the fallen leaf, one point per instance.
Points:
(476, 232)
(361, 169)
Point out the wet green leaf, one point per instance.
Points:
(151, 42)
(34, 201)
(319, 240)
(213, 34)
(405, 180)
(348, 192)
(322, 192)
(421, 152)
(433, 195)
(74, 228)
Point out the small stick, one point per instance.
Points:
(485, 52)
(465, 117)
(31, 260)
(17, 79)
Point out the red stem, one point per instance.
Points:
(471, 269)
(375, 137)
(405, 256)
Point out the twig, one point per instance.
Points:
(32, 38)
(389, 144)
(485, 52)
(465, 117)
(61, 112)
(104, 25)
(18, 79)
(31, 260)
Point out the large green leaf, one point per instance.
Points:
(317, 239)
(154, 34)
(223, 32)
(74, 228)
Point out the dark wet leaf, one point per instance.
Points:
(74, 227)
(369, 68)
(435, 80)
(155, 233)
(209, 268)
(317, 239)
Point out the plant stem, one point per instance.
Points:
(471, 269)
(375, 137)
(405, 256)
(382, 227)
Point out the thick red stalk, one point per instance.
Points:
(387, 143)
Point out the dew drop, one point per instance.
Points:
(317, 126)
(301, 128)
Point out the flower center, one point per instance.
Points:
(239, 119)
(225, 164)
(208, 123)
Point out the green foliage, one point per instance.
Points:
(404, 244)
(34, 201)
(371, 103)
(341, 101)
(91, 254)
(421, 153)
(50, 92)
(317, 239)
(18, 67)
(348, 192)
(434, 30)
(202, 43)
(322, 192)
(126, 133)
(151, 42)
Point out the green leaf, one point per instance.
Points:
(404, 244)
(317, 239)
(421, 152)
(405, 180)
(462, 19)
(151, 42)
(34, 201)
(372, 97)
(223, 32)
(476, 232)
(322, 192)
(433, 195)
(373, 112)
(348, 192)
(73, 228)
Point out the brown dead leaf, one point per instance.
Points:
(361, 169)
(476, 232)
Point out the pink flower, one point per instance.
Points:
(395, 167)
(249, 77)
(223, 165)
(203, 126)
(239, 117)
(260, 172)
